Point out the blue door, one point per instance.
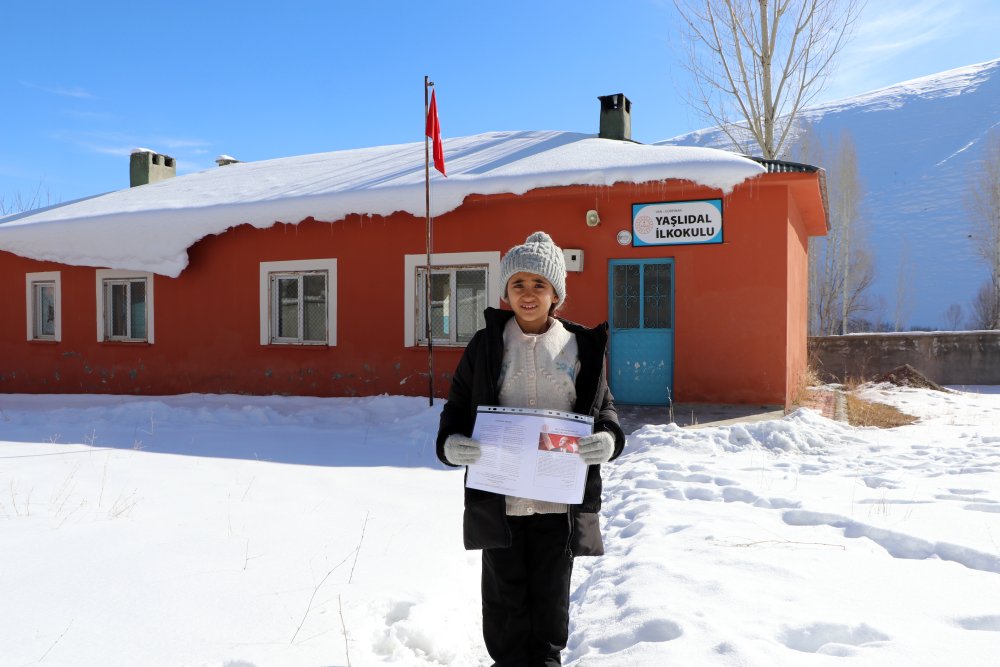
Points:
(641, 314)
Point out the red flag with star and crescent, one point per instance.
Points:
(434, 132)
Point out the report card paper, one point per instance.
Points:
(530, 453)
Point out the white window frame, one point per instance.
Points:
(444, 260)
(103, 275)
(302, 266)
(30, 281)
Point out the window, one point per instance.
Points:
(458, 298)
(462, 285)
(298, 302)
(43, 291)
(125, 309)
(298, 307)
(124, 306)
(642, 295)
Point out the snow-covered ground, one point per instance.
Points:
(231, 531)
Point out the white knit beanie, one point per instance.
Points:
(538, 255)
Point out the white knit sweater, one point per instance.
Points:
(538, 371)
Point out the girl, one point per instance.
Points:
(527, 357)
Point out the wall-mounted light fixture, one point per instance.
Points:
(593, 219)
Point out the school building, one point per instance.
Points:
(307, 275)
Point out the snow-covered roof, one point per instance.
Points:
(150, 227)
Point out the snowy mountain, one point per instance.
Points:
(917, 144)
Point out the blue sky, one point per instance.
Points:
(84, 83)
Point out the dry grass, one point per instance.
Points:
(861, 412)
(803, 394)
(854, 382)
(811, 378)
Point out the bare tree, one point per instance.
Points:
(983, 203)
(845, 190)
(758, 63)
(19, 202)
(881, 319)
(841, 269)
(904, 289)
(985, 308)
(953, 317)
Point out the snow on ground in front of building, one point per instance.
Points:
(151, 227)
(242, 531)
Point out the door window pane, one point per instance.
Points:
(656, 296)
(625, 280)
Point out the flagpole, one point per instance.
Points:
(427, 274)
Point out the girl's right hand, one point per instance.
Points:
(462, 451)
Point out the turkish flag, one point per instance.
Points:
(434, 132)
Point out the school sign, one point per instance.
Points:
(677, 223)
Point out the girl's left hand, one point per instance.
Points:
(597, 448)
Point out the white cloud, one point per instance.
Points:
(890, 29)
(178, 143)
(891, 36)
(105, 149)
(87, 115)
(75, 91)
(122, 143)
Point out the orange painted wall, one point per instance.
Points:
(797, 319)
(732, 313)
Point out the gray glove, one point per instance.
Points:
(462, 451)
(597, 448)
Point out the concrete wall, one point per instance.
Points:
(970, 357)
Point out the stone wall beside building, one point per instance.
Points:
(948, 358)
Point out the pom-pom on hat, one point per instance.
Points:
(538, 255)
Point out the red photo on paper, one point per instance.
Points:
(558, 442)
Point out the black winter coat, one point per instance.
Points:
(476, 382)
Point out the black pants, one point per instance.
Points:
(526, 593)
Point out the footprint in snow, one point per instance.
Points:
(831, 638)
(399, 612)
(983, 507)
(898, 545)
(732, 494)
(648, 630)
(981, 623)
(697, 493)
(963, 497)
(635, 527)
(873, 482)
